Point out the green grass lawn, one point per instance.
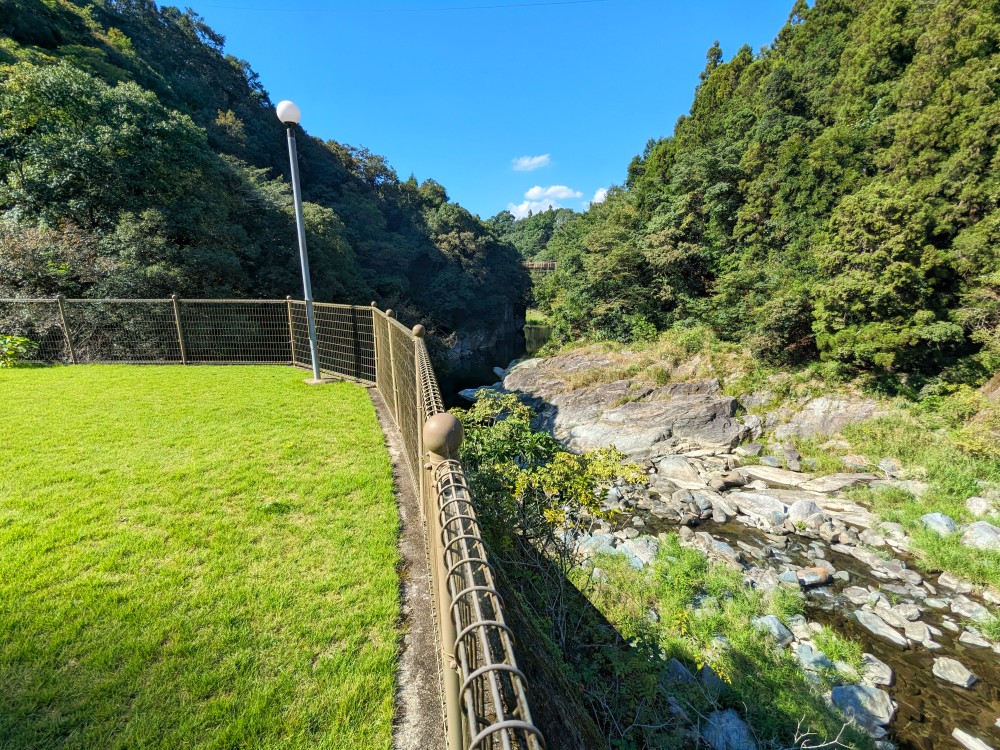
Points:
(199, 557)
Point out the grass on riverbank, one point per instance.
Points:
(940, 444)
(703, 615)
(194, 557)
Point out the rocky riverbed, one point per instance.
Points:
(931, 677)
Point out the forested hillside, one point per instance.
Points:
(531, 234)
(139, 160)
(832, 196)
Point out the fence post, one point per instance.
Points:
(291, 328)
(65, 327)
(180, 330)
(392, 366)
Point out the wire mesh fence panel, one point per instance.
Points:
(345, 340)
(383, 363)
(39, 321)
(235, 331)
(134, 331)
(404, 369)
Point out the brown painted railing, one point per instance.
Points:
(485, 694)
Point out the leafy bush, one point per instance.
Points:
(15, 349)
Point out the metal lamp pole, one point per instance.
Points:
(290, 114)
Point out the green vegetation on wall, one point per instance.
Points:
(139, 160)
(833, 196)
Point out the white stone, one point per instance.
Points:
(953, 671)
(970, 742)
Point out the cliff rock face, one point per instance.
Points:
(464, 344)
(641, 420)
(645, 420)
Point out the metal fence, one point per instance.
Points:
(486, 702)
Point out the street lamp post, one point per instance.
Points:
(290, 115)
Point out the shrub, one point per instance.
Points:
(15, 349)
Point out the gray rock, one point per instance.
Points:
(800, 510)
(596, 544)
(875, 671)
(880, 628)
(811, 659)
(725, 730)
(813, 576)
(775, 477)
(827, 416)
(771, 461)
(759, 505)
(868, 706)
(981, 506)
(716, 548)
(789, 577)
(793, 459)
(891, 466)
(748, 449)
(644, 548)
(710, 679)
(500, 372)
(972, 637)
(773, 626)
(680, 471)
(964, 606)
(966, 740)
(919, 632)
(982, 535)
(954, 583)
(856, 595)
(939, 523)
(953, 671)
(675, 672)
(871, 538)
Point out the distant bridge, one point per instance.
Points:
(540, 266)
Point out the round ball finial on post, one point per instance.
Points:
(419, 331)
(389, 313)
(374, 304)
(443, 435)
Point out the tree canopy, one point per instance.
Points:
(832, 196)
(138, 159)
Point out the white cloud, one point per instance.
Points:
(554, 192)
(541, 198)
(531, 163)
(600, 195)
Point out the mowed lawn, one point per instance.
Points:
(199, 557)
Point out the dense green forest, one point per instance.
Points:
(831, 196)
(139, 160)
(531, 234)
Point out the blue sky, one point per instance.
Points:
(457, 90)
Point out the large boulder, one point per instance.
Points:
(826, 416)
(868, 706)
(638, 418)
(725, 730)
(982, 535)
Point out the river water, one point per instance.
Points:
(475, 371)
(928, 707)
